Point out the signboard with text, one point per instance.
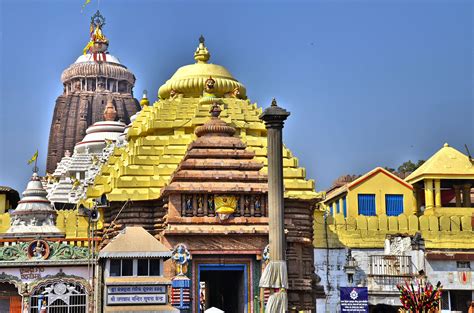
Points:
(354, 299)
(137, 299)
(136, 294)
(135, 289)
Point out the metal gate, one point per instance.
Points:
(59, 297)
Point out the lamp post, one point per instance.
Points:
(350, 267)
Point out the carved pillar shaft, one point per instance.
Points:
(275, 274)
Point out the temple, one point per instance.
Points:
(88, 83)
(193, 174)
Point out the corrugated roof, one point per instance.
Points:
(134, 242)
(446, 163)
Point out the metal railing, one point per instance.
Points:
(78, 242)
(390, 265)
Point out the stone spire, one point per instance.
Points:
(34, 215)
(215, 126)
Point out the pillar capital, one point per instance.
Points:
(274, 116)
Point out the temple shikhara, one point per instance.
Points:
(192, 203)
(93, 79)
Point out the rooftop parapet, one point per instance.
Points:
(439, 232)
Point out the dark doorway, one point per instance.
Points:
(10, 300)
(460, 300)
(224, 288)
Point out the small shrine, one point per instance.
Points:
(40, 268)
(134, 273)
(34, 215)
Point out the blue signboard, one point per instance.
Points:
(354, 299)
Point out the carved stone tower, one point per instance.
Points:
(94, 78)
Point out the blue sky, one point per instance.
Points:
(368, 83)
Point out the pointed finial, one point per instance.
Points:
(201, 55)
(215, 110)
(144, 101)
(274, 102)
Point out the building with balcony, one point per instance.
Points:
(365, 242)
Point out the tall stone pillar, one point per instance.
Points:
(466, 196)
(275, 274)
(437, 185)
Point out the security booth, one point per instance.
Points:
(132, 271)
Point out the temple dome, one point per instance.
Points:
(111, 68)
(89, 58)
(190, 79)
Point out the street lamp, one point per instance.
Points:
(350, 266)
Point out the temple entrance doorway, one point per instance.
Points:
(10, 300)
(223, 286)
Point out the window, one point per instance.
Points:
(127, 267)
(148, 267)
(394, 205)
(338, 209)
(135, 267)
(344, 206)
(366, 203)
(331, 209)
(115, 266)
(463, 264)
(122, 267)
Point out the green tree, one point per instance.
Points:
(409, 166)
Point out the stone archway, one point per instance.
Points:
(60, 293)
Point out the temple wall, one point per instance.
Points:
(444, 232)
(68, 221)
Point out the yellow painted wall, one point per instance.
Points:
(4, 222)
(68, 221)
(3, 203)
(380, 185)
(443, 232)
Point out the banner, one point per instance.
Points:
(354, 299)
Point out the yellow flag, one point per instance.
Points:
(85, 3)
(34, 157)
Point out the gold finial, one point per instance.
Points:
(215, 110)
(274, 102)
(201, 55)
(144, 101)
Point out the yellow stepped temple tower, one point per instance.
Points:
(160, 135)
